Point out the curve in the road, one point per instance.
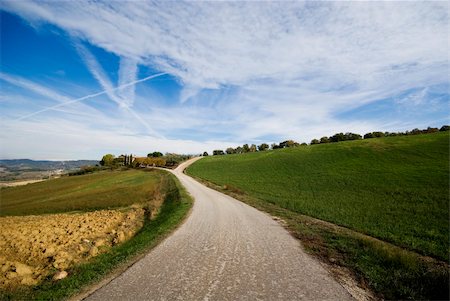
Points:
(226, 250)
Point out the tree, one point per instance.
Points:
(274, 146)
(337, 137)
(444, 128)
(230, 151)
(368, 136)
(150, 161)
(158, 161)
(155, 154)
(353, 136)
(393, 134)
(344, 137)
(174, 159)
(324, 139)
(252, 148)
(107, 160)
(315, 141)
(373, 135)
(378, 134)
(415, 131)
(218, 152)
(263, 147)
(304, 144)
(245, 148)
(205, 154)
(288, 143)
(138, 161)
(239, 150)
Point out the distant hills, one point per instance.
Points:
(25, 169)
(31, 165)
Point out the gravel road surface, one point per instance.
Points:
(225, 250)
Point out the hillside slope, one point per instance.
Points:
(393, 188)
(102, 190)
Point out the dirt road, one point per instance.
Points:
(225, 250)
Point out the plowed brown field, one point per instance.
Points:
(34, 247)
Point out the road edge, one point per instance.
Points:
(91, 289)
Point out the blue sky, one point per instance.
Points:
(80, 79)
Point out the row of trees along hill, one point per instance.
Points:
(335, 138)
(254, 148)
(153, 159)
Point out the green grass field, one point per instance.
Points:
(109, 189)
(393, 188)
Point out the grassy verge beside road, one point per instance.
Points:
(394, 189)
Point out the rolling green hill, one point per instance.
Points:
(109, 189)
(392, 188)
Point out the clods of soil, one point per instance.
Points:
(34, 247)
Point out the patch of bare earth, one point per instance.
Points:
(19, 183)
(35, 247)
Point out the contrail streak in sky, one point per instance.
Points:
(90, 96)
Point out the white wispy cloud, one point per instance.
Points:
(123, 94)
(48, 94)
(209, 44)
(65, 101)
(127, 73)
(34, 87)
(98, 73)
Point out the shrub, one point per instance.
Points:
(85, 170)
